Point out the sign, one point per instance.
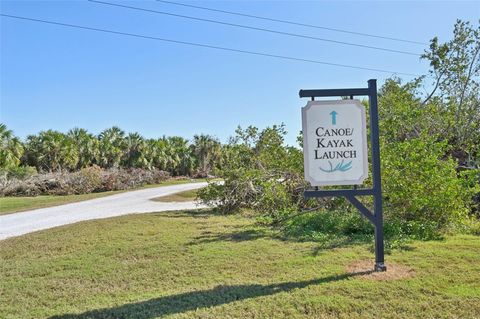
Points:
(335, 142)
(335, 152)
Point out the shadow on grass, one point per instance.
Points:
(326, 241)
(220, 295)
(193, 213)
(235, 236)
(350, 241)
(332, 241)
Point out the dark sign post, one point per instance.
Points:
(376, 218)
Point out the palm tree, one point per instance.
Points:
(11, 149)
(172, 159)
(207, 151)
(51, 151)
(112, 146)
(87, 147)
(180, 156)
(155, 154)
(135, 151)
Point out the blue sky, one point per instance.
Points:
(54, 77)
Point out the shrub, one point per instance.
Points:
(11, 177)
(19, 172)
(423, 187)
(17, 187)
(119, 179)
(330, 228)
(87, 180)
(260, 173)
(84, 181)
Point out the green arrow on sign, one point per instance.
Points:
(334, 117)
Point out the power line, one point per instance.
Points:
(256, 28)
(293, 22)
(206, 45)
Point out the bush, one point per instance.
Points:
(259, 174)
(10, 177)
(119, 179)
(19, 172)
(18, 187)
(422, 186)
(87, 180)
(330, 228)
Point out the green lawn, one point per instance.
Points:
(186, 196)
(204, 265)
(10, 205)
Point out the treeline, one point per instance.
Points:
(53, 151)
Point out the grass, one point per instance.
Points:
(186, 196)
(10, 205)
(205, 265)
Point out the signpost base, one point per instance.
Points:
(379, 267)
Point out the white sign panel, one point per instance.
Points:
(334, 142)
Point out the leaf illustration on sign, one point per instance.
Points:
(342, 167)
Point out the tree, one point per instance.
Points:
(87, 147)
(135, 151)
(112, 147)
(260, 173)
(51, 151)
(455, 68)
(155, 154)
(207, 150)
(179, 156)
(11, 149)
(404, 116)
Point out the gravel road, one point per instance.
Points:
(133, 202)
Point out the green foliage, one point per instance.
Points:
(422, 180)
(112, 145)
(420, 185)
(18, 172)
(473, 227)
(403, 115)
(11, 149)
(455, 71)
(134, 152)
(207, 150)
(53, 151)
(424, 194)
(50, 151)
(259, 173)
(87, 145)
(330, 228)
(182, 159)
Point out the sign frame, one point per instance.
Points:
(375, 217)
(363, 134)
